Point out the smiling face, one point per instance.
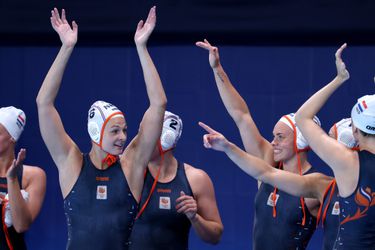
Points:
(283, 148)
(114, 136)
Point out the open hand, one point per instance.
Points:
(144, 29)
(68, 35)
(342, 72)
(16, 167)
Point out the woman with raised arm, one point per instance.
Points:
(101, 189)
(176, 196)
(22, 187)
(315, 185)
(354, 170)
(274, 209)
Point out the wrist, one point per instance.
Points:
(12, 179)
(194, 219)
(217, 68)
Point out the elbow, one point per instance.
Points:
(40, 101)
(216, 237)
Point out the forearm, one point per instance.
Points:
(154, 86)
(208, 231)
(51, 84)
(21, 216)
(316, 102)
(234, 103)
(252, 165)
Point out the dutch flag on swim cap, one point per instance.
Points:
(14, 121)
(363, 114)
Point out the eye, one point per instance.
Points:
(115, 131)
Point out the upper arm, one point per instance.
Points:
(139, 151)
(148, 135)
(36, 187)
(254, 143)
(309, 186)
(338, 157)
(204, 194)
(58, 142)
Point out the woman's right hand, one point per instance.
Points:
(68, 35)
(213, 57)
(342, 72)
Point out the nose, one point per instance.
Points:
(274, 142)
(123, 136)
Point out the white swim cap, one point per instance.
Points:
(344, 133)
(99, 114)
(289, 120)
(363, 114)
(14, 121)
(172, 130)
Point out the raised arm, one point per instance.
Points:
(308, 186)
(63, 150)
(24, 212)
(336, 155)
(237, 108)
(144, 143)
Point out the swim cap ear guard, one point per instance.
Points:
(344, 133)
(363, 114)
(13, 120)
(98, 116)
(172, 130)
(301, 142)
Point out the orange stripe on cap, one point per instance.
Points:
(105, 123)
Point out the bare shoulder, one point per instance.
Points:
(195, 174)
(33, 171)
(33, 174)
(198, 179)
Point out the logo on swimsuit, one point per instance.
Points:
(101, 192)
(164, 202)
(336, 208)
(364, 198)
(270, 200)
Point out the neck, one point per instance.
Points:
(291, 165)
(368, 144)
(168, 167)
(97, 155)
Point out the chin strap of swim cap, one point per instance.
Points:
(109, 160)
(299, 165)
(161, 152)
(274, 195)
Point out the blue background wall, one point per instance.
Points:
(273, 80)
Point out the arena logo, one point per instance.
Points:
(370, 127)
